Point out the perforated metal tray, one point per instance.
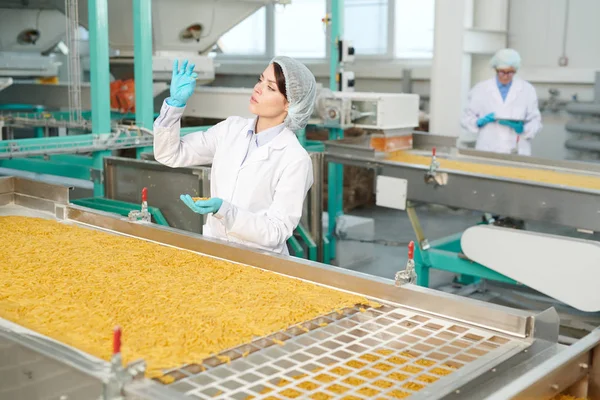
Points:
(390, 352)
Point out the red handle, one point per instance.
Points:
(145, 194)
(411, 250)
(117, 340)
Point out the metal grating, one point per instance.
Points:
(389, 352)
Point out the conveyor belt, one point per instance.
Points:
(531, 174)
(462, 348)
(521, 187)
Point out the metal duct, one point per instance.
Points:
(583, 127)
(584, 108)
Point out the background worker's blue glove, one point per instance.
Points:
(183, 83)
(486, 120)
(516, 125)
(211, 205)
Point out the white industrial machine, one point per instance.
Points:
(31, 30)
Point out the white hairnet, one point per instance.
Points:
(301, 90)
(506, 58)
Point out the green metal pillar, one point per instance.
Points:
(99, 67)
(335, 173)
(142, 36)
(100, 82)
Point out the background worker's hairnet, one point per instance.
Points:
(506, 58)
(301, 89)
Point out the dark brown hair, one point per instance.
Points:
(280, 79)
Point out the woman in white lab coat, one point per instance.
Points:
(260, 172)
(503, 111)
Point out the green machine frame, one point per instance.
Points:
(446, 254)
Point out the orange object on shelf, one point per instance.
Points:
(392, 143)
(122, 95)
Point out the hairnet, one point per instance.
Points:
(301, 89)
(506, 58)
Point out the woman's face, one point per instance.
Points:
(267, 101)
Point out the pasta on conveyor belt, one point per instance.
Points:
(527, 174)
(175, 307)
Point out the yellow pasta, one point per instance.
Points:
(175, 307)
(440, 371)
(413, 386)
(424, 362)
(279, 342)
(291, 393)
(308, 386)
(398, 394)
(368, 391)
(529, 174)
(370, 357)
(321, 396)
(355, 364)
(382, 384)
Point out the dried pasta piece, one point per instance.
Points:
(324, 378)
(224, 359)
(323, 324)
(351, 398)
(427, 378)
(369, 357)
(166, 379)
(398, 376)
(440, 371)
(290, 393)
(411, 369)
(407, 354)
(382, 384)
(308, 386)
(413, 386)
(200, 198)
(353, 381)
(383, 367)
(355, 364)
(338, 389)
(369, 374)
(384, 352)
(425, 362)
(279, 342)
(397, 360)
(398, 394)
(246, 353)
(340, 371)
(320, 396)
(368, 391)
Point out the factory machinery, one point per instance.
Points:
(432, 170)
(462, 348)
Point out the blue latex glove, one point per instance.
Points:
(211, 205)
(516, 125)
(183, 83)
(486, 120)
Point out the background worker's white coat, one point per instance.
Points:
(262, 199)
(521, 104)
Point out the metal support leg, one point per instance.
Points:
(98, 171)
(142, 33)
(99, 70)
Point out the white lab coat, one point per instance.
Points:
(521, 103)
(262, 199)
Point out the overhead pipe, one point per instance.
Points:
(584, 108)
(583, 145)
(583, 127)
